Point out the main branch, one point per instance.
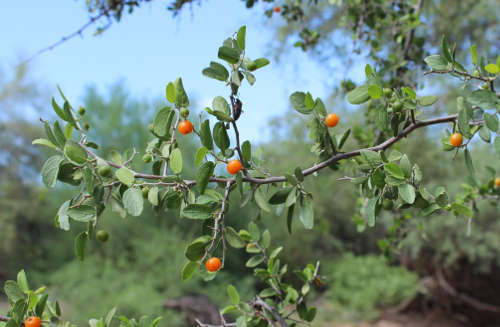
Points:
(335, 158)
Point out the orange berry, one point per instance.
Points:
(213, 264)
(233, 166)
(332, 120)
(277, 9)
(185, 127)
(32, 321)
(456, 139)
(497, 181)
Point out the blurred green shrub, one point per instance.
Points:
(360, 285)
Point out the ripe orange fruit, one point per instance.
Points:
(332, 120)
(277, 9)
(213, 264)
(497, 181)
(32, 321)
(456, 139)
(185, 127)
(233, 166)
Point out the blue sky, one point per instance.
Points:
(150, 48)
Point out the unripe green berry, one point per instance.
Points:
(86, 126)
(184, 112)
(397, 105)
(104, 171)
(102, 236)
(387, 92)
(387, 204)
(145, 192)
(147, 158)
(81, 111)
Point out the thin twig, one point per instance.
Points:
(68, 37)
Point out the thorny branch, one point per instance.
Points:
(276, 179)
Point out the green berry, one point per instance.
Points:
(145, 192)
(147, 158)
(387, 204)
(86, 126)
(387, 92)
(102, 236)
(104, 171)
(81, 111)
(397, 105)
(184, 112)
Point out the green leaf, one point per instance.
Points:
(484, 134)
(176, 161)
(44, 142)
(492, 68)
(266, 239)
(233, 294)
(13, 292)
(125, 175)
(80, 242)
(373, 158)
(308, 101)
(220, 136)
(188, 270)
(446, 50)
(216, 71)
(497, 145)
(297, 100)
(370, 211)
(197, 211)
(62, 216)
(280, 196)
(250, 78)
(203, 176)
(153, 195)
(246, 151)
(427, 100)
(196, 249)
(58, 110)
(483, 98)
(22, 281)
(254, 261)
(374, 91)
(473, 53)
(241, 321)
(405, 166)
(468, 162)
(319, 107)
(220, 104)
(394, 170)
(491, 121)
(257, 63)
(206, 135)
(436, 62)
(260, 199)
(59, 134)
(359, 95)
(229, 308)
(229, 55)
(407, 193)
(441, 197)
(343, 138)
(306, 212)
(170, 92)
(83, 213)
(461, 209)
(240, 37)
(40, 305)
(163, 121)
(50, 171)
(233, 238)
(75, 153)
(200, 155)
(181, 98)
(463, 123)
(133, 201)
